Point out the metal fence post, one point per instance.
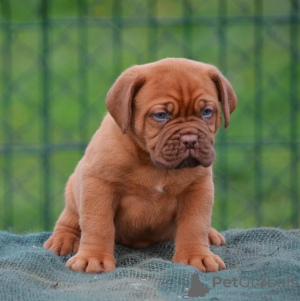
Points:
(7, 131)
(152, 31)
(82, 74)
(294, 107)
(223, 153)
(187, 14)
(45, 77)
(258, 125)
(117, 37)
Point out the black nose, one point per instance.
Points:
(189, 140)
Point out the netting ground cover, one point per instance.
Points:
(262, 264)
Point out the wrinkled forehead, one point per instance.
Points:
(183, 85)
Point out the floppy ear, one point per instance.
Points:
(120, 96)
(226, 94)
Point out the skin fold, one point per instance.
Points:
(146, 175)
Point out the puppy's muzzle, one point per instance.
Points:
(189, 140)
(184, 149)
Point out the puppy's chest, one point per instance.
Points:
(150, 211)
(147, 204)
(154, 185)
(148, 200)
(155, 197)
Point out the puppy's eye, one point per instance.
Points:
(207, 113)
(161, 116)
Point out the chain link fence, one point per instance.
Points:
(59, 58)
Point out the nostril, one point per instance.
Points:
(189, 140)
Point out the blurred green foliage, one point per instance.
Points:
(59, 58)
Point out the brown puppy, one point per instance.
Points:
(146, 176)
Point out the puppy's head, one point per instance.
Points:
(171, 109)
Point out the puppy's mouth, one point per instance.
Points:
(189, 162)
(191, 159)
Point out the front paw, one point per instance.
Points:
(203, 261)
(84, 262)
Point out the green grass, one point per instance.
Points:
(83, 63)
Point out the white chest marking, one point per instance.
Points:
(159, 188)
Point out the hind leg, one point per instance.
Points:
(215, 238)
(65, 237)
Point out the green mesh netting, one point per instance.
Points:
(265, 263)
